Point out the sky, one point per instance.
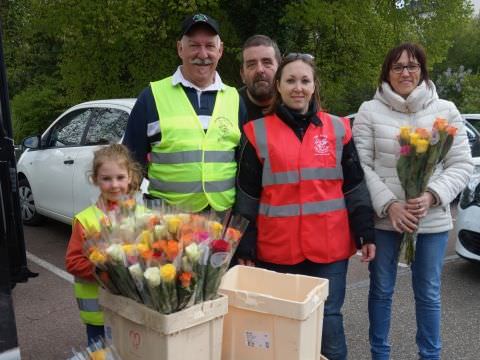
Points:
(476, 3)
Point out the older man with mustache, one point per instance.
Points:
(185, 129)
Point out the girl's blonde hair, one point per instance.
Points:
(120, 154)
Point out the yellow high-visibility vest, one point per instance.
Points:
(191, 168)
(87, 292)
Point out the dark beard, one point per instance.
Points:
(262, 95)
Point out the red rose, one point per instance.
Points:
(220, 246)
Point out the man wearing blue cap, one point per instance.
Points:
(185, 128)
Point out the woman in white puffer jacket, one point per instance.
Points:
(406, 97)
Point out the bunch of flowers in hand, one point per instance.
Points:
(420, 152)
(162, 257)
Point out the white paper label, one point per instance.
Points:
(257, 339)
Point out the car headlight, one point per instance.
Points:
(471, 194)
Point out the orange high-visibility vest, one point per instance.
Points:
(302, 213)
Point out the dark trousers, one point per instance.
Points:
(94, 332)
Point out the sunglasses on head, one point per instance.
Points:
(301, 56)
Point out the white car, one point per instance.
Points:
(473, 119)
(473, 132)
(53, 171)
(467, 227)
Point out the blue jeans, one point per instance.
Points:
(334, 346)
(426, 277)
(94, 332)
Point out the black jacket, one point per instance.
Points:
(249, 185)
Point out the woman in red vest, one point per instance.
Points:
(301, 183)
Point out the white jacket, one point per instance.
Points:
(375, 131)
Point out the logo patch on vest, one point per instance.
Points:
(224, 127)
(320, 145)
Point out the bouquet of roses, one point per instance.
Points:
(163, 258)
(222, 247)
(162, 262)
(420, 152)
(113, 249)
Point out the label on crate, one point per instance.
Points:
(256, 339)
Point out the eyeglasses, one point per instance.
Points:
(411, 68)
(301, 56)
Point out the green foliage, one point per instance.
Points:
(35, 107)
(471, 99)
(350, 39)
(62, 52)
(462, 86)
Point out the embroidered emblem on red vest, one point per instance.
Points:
(320, 145)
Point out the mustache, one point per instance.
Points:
(198, 61)
(260, 78)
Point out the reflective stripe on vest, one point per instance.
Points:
(189, 167)
(194, 186)
(193, 156)
(317, 207)
(291, 177)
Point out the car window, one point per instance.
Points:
(107, 127)
(68, 130)
(475, 123)
(470, 133)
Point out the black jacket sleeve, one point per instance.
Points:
(357, 197)
(249, 187)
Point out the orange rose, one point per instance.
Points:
(171, 250)
(451, 130)
(147, 254)
(159, 246)
(424, 133)
(440, 124)
(185, 279)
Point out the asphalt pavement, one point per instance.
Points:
(48, 324)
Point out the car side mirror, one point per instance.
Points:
(31, 142)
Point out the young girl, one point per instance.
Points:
(116, 175)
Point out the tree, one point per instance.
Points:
(350, 39)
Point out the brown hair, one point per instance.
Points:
(261, 40)
(307, 59)
(413, 51)
(120, 154)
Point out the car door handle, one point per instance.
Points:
(68, 162)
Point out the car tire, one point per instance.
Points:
(30, 216)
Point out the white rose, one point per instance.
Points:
(193, 252)
(152, 275)
(160, 231)
(127, 230)
(136, 271)
(115, 251)
(185, 218)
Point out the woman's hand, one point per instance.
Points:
(419, 206)
(401, 218)
(246, 262)
(368, 252)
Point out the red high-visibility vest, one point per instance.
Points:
(302, 213)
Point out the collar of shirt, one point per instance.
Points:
(179, 79)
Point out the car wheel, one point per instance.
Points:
(30, 216)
